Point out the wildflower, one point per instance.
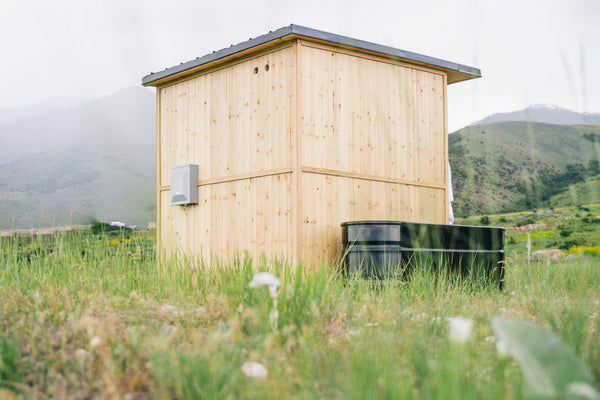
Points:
(502, 348)
(169, 309)
(95, 341)
(583, 390)
(80, 353)
(266, 279)
(460, 329)
(254, 370)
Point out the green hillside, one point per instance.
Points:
(514, 166)
(54, 189)
(582, 193)
(95, 160)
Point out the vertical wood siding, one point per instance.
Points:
(286, 154)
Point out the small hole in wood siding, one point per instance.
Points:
(266, 67)
(256, 70)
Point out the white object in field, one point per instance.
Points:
(460, 329)
(266, 279)
(254, 370)
(450, 197)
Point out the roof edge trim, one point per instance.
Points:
(466, 72)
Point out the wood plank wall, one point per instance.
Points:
(373, 145)
(285, 155)
(236, 123)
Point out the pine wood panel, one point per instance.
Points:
(231, 121)
(330, 200)
(253, 215)
(372, 117)
(287, 154)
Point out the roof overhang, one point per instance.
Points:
(455, 72)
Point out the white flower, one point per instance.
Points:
(273, 283)
(266, 279)
(254, 370)
(168, 309)
(502, 348)
(80, 353)
(95, 341)
(460, 329)
(582, 389)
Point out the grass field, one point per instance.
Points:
(91, 317)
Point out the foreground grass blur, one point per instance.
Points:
(83, 316)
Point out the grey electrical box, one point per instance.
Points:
(184, 185)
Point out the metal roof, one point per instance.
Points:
(456, 72)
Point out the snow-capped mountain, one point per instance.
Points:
(545, 113)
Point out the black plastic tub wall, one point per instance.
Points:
(385, 249)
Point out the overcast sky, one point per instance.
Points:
(529, 51)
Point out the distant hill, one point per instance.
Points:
(69, 162)
(544, 113)
(581, 193)
(513, 166)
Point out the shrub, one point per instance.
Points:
(565, 232)
(525, 221)
(567, 244)
(485, 220)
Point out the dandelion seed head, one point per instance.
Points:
(584, 390)
(266, 279)
(80, 353)
(502, 347)
(460, 329)
(95, 341)
(255, 370)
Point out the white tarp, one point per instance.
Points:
(450, 197)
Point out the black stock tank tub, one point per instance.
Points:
(384, 249)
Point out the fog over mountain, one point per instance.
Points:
(544, 113)
(66, 161)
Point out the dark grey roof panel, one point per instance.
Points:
(314, 34)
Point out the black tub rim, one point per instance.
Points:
(397, 222)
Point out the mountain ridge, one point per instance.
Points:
(95, 159)
(543, 113)
(517, 165)
(63, 163)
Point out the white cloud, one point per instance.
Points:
(529, 51)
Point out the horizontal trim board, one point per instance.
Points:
(249, 175)
(239, 177)
(368, 177)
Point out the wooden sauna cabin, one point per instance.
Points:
(283, 137)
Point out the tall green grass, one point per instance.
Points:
(93, 316)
